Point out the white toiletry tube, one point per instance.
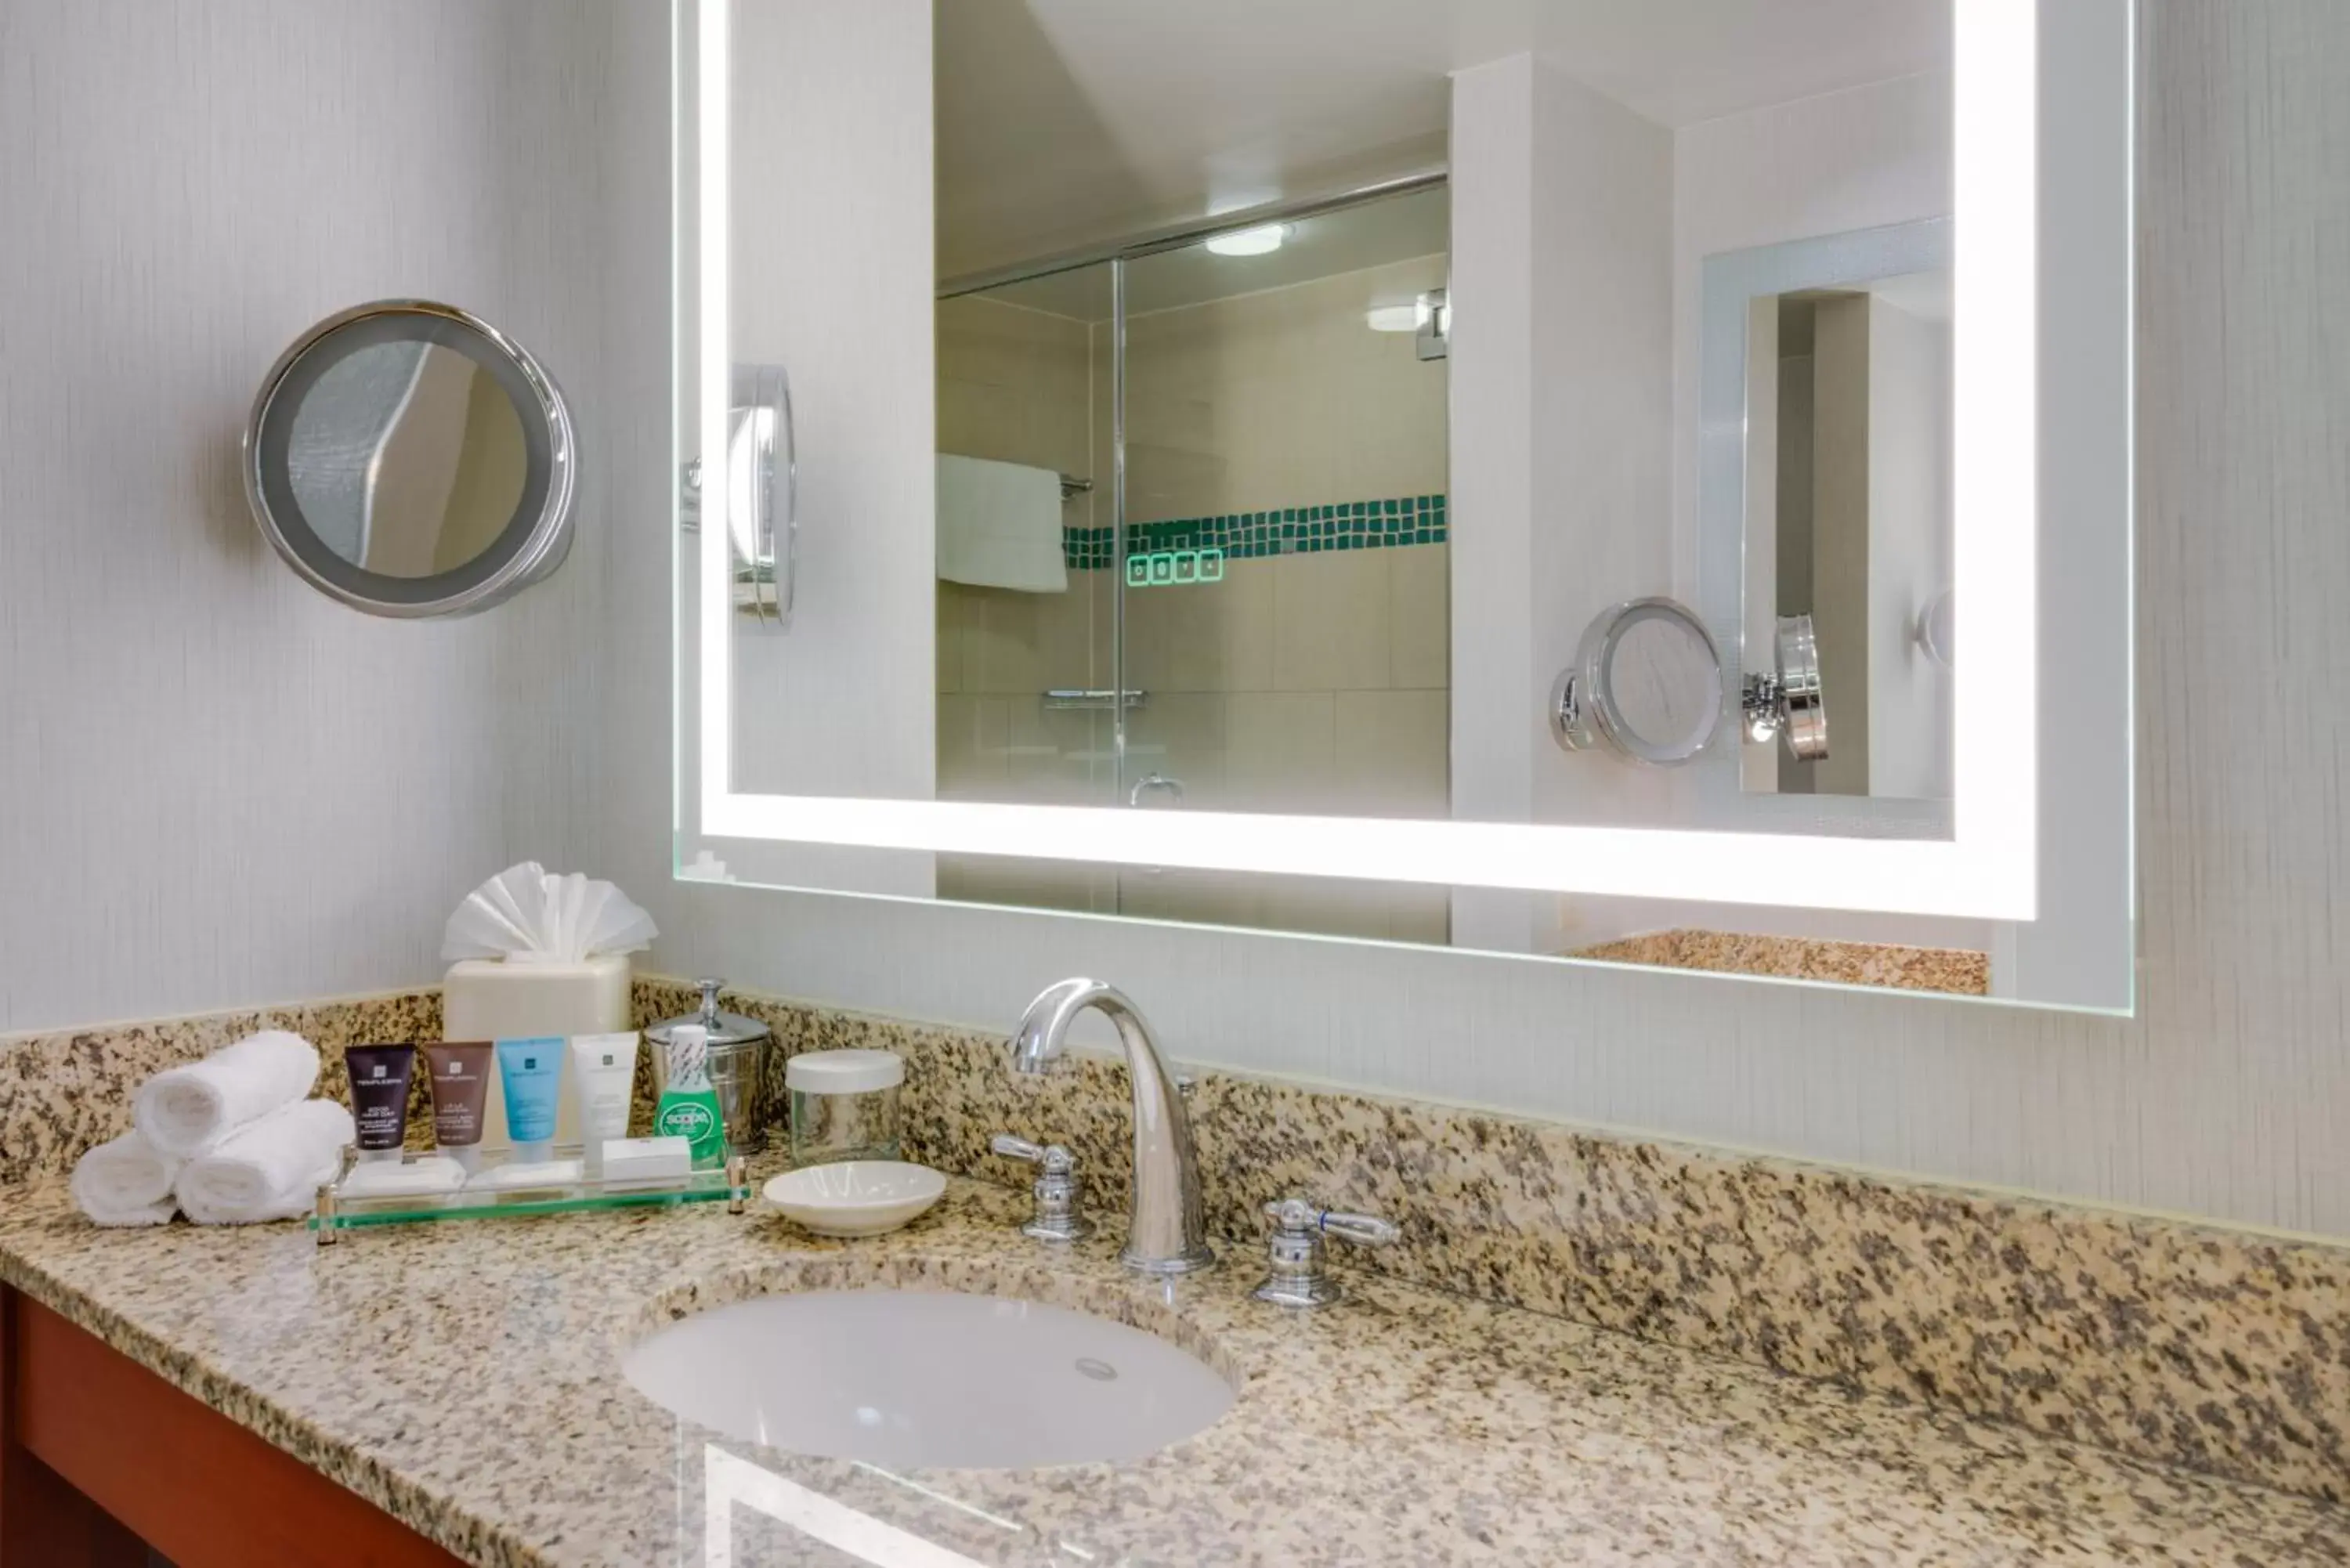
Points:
(603, 1074)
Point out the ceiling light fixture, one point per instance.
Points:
(1263, 240)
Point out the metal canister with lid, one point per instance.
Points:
(741, 1057)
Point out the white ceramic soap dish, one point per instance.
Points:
(855, 1197)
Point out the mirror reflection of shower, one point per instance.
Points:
(1193, 550)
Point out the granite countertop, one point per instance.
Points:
(465, 1376)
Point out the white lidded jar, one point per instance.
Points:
(844, 1104)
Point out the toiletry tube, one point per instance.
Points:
(461, 1073)
(531, 1072)
(603, 1072)
(379, 1075)
(689, 1106)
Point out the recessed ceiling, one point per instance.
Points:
(1066, 122)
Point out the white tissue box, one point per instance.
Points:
(487, 999)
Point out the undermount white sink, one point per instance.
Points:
(928, 1379)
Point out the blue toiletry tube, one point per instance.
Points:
(532, 1071)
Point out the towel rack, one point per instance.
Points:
(1073, 486)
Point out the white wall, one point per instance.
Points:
(857, 666)
(1908, 549)
(217, 785)
(1491, 370)
(1562, 247)
(2228, 1097)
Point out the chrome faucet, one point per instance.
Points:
(1168, 1231)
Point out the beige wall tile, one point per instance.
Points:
(1419, 612)
(1390, 752)
(1338, 907)
(1283, 398)
(1195, 897)
(1000, 641)
(1071, 649)
(1331, 614)
(972, 737)
(1183, 735)
(1421, 915)
(951, 616)
(1205, 637)
(1057, 756)
(1280, 754)
(1027, 884)
(1015, 385)
(1020, 644)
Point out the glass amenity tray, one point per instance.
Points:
(337, 1211)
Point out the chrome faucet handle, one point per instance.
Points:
(1060, 1192)
(1294, 1275)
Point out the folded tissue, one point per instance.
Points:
(528, 914)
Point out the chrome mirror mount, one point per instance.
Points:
(763, 507)
(1788, 701)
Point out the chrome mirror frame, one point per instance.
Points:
(1584, 710)
(534, 542)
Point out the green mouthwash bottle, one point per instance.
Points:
(689, 1106)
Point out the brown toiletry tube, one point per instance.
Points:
(379, 1075)
(460, 1087)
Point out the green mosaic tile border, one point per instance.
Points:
(1385, 524)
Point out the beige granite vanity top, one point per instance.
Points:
(465, 1376)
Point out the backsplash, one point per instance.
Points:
(67, 1090)
(2218, 1350)
(1389, 522)
(2223, 1351)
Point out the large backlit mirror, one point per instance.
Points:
(1465, 474)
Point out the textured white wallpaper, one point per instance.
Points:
(217, 786)
(2228, 1096)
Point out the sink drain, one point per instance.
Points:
(1099, 1371)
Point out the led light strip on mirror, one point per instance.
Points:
(1986, 869)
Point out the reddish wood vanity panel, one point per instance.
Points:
(97, 1453)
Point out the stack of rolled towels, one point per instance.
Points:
(233, 1139)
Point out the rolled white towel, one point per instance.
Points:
(131, 1214)
(267, 1170)
(126, 1181)
(183, 1109)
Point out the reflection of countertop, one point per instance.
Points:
(465, 1377)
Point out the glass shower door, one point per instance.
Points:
(1026, 603)
(1284, 591)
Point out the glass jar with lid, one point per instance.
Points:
(844, 1104)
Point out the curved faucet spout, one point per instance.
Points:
(1168, 1231)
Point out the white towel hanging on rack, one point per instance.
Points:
(1000, 525)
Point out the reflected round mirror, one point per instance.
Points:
(409, 460)
(1646, 682)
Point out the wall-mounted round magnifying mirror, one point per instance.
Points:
(410, 460)
(1646, 682)
(1789, 701)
